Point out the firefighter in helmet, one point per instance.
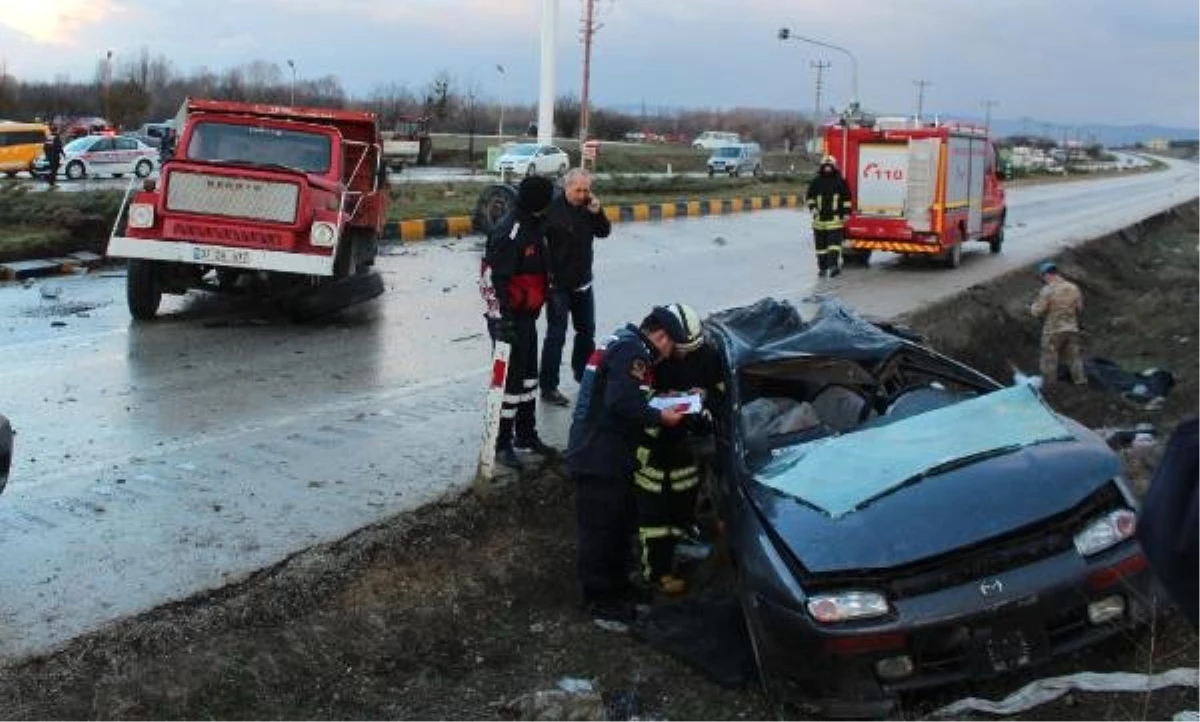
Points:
(668, 477)
(828, 199)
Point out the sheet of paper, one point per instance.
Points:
(688, 404)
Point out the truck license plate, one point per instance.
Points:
(226, 256)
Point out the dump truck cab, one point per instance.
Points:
(296, 197)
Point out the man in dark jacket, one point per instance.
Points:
(828, 199)
(54, 152)
(575, 220)
(513, 284)
(612, 410)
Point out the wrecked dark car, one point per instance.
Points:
(898, 520)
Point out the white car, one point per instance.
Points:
(96, 155)
(710, 139)
(529, 159)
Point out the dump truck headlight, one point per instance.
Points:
(323, 234)
(141, 215)
(1106, 531)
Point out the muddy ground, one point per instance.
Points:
(462, 609)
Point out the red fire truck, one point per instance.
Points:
(920, 190)
(293, 198)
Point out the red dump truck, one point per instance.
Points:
(918, 189)
(284, 201)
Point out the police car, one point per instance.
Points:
(96, 155)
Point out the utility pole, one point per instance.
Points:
(588, 29)
(987, 114)
(545, 128)
(921, 84)
(820, 66)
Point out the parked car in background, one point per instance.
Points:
(20, 146)
(736, 159)
(97, 155)
(527, 159)
(710, 139)
(898, 520)
(152, 133)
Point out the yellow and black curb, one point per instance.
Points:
(420, 229)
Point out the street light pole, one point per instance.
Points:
(503, 83)
(107, 87)
(787, 34)
(987, 114)
(292, 65)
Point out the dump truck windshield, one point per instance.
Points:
(233, 143)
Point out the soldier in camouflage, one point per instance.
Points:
(1059, 304)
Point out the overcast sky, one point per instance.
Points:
(1071, 62)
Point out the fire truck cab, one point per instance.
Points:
(294, 198)
(918, 189)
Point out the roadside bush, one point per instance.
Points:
(33, 220)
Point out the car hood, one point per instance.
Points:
(993, 493)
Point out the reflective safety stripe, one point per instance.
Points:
(829, 225)
(894, 247)
(654, 487)
(508, 412)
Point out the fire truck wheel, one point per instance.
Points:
(143, 168)
(336, 295)
(852, 257)
(996, 242)
(75, 170)
(142, 289)
(953, 256)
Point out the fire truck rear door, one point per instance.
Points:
(882, 168)
(922, 182)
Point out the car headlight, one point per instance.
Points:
(141, 215)
(323, 234)
(1106, 531)
(844, 606)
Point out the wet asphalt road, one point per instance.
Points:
(158, 460)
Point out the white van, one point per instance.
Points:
(736, 159)
(710, 139)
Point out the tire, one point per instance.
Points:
(75, 170)
(143, 292)
(143, 168)
(494, 201)
(996, 242)
(855, 257)
(531, 171)
(6, 450)
(336, 295)
(953, 256)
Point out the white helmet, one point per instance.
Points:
(682, 324)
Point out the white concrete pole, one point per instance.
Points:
(546, 97)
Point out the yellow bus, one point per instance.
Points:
(20, 146)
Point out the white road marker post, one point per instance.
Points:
(491, 416)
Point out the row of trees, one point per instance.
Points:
(147, 88)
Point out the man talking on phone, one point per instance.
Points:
(574, 221)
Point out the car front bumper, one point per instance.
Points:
(1040, 611)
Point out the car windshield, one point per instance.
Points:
(838, 474)
(305, 151)
(79, 144)
(523, 149)
(729, 151)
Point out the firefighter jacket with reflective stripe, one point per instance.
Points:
(667, 461)
(515, 263)
(613, 407)
(828, 199)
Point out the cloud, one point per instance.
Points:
(62, 26)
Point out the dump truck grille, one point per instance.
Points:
(232, 197)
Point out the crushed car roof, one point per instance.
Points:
(772, 330)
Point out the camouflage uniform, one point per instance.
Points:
(1058, 304)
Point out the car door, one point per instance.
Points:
(125, 155)
(100, 156)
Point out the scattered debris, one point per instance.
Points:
(1050, 688)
